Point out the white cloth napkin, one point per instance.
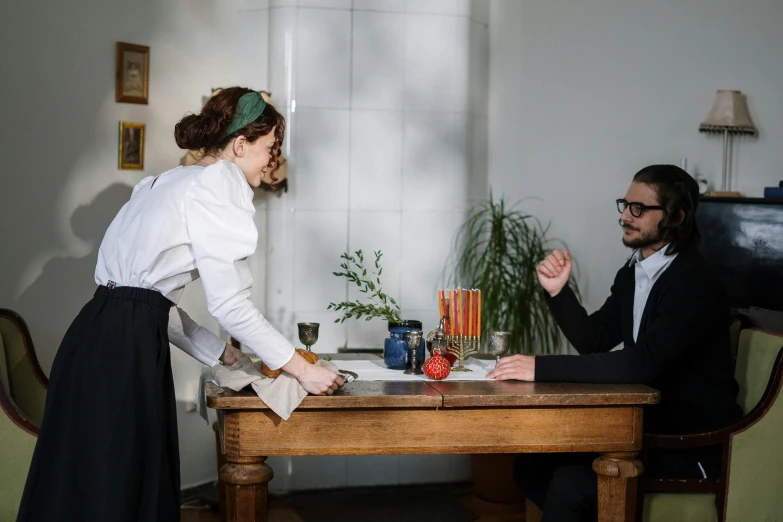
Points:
(376, 370)
(282, 395)
(201, 394)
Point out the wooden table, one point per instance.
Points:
(374, 418)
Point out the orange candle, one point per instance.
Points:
(447, 311)
(467, 312)
(440, 305)
(478, 315)
(469, 321)
(457, 318)
(453, 308)
(463, 327)
(473, 304)
(447, 322)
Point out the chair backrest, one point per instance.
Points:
(3, 365)
(756, 353)
(755, 472)
(22, 375)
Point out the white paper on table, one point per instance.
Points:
(370, 370)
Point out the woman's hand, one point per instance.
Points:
(320, 381)
(517, 367)
(315, 379)
(231, 355)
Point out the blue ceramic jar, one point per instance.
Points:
(395, 349)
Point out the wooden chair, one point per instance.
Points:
(751, 480)
(759, 370)
(25, 381)
(22, 397)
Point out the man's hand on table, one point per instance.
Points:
(516, 367)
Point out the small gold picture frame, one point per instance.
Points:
(131, 154)
(133, 73)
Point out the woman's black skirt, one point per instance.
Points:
(108, 450)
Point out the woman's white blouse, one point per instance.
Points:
(190, 222)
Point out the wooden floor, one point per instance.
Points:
(427, 503)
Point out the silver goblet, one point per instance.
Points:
(413, 340)
(308, 334)
(497, 342)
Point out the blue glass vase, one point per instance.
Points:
(395, 349)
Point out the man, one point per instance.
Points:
(670, 313)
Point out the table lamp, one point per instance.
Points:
(729, 116)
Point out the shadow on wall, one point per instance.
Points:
(67, 283)
(58, 114)
(59, 140)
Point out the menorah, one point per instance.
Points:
(460, 310)
(462, 347)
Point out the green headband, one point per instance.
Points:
(249, 107)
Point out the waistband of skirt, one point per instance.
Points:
(132, 293)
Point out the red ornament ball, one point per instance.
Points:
(437, 367)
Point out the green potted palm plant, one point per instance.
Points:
(497, 250)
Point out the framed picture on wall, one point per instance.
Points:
(133, 73)
(131, 155)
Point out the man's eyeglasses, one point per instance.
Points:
(637, 209)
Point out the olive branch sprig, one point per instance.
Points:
(369, 283)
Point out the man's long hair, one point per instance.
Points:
(677, 191)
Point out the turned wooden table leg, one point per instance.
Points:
(618, 474)
(221, 460)
(245, 481)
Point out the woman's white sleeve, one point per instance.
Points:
(219, 216)
(194, 340)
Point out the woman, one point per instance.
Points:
(107, 449)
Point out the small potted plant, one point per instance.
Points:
(378, 305)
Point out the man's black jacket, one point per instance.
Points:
(682, 349)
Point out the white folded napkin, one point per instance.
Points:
(376, 370)
(282, 394)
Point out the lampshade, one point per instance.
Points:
(729, 113)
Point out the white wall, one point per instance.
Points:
(584, 94)
(386, 107)
(60, 184)
(386, 115)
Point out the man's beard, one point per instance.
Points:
(646, 239)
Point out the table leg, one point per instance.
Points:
(618, 474)
(245, 481)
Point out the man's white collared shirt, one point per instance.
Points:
(647, 272)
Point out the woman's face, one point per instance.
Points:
(281, 173)
(253, 158)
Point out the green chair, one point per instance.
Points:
(751, 483)
(22, 397)
(25, 380)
